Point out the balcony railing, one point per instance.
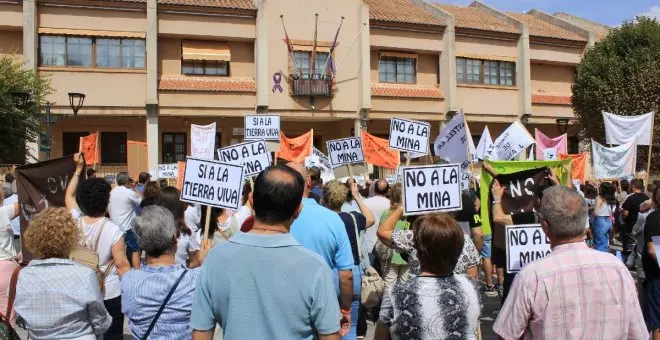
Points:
(312, 87)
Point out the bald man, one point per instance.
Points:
(323, 232)
(378, 204)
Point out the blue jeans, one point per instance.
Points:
(355, 304)
(602, 229)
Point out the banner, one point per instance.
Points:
(254, 156)
(296, 149)
(614, 162)
(579, 162)
(321, 161)
(262, 127)
(525, 243)
(431, 188)
(410, 136)
(181, 167)
(168, 170)
(619, 129)
(137, 155)
(202, 140)
(345, 151)
(452, 143)
(212, 183)
(510, 143)
(377, 151)
(89, 147)
(485, 143)
(546, 145)
(40, 186)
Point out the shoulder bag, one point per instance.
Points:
(88, 256)
(6, 330)
(160, 310)
(372, 283)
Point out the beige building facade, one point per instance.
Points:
(151, 68)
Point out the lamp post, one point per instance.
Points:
(562, 125)
(524, 119)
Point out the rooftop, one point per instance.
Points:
(540, 28)
(600, 31)
(401, 11)
(478, 18)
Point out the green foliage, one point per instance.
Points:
(19, 126)
(621, 74)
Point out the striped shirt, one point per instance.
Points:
(573, 293)
(143, 292)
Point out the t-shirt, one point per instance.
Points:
(651, 228)
(403, 241)
(350, 230)
(377, 205)
(468, 216)
(632, 204)
(192, 217)
(16, 221)
(7, 250)
(185, 245)
(122, 207)
(401, 224)
(111, 234)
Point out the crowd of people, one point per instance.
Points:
(292, 261)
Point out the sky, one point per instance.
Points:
(607, 12)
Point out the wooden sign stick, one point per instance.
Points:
(207, 222)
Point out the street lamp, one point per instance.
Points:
(21, 100)
(524, 119)
(76, 101)
(562, 125)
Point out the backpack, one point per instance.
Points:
(88, 256)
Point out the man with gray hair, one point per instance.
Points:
(574, 292)
(123, 201)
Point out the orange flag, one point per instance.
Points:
(296, 149)
(579, 162)
(377, 151)
(182, 171)
(89, 146)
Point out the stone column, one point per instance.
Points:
(31, 59)
(152, 85)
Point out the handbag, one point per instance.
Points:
(87, 256)
(6, 330)
(372, 283)
(162, 306)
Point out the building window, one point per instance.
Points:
(174, 147)
(397, 70)
(113, 147)
(205, 67)
(91, 52)
(573, 144)
(302, 59)
(71, 142)
(489, 72)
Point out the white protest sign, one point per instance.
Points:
(550, 154)
(345, 151)
(465, 179)
(431, 188)
(452, 142)
(168, 170)
(266, 127)
(212, 183)
(312, 160)
(409, 135)
(202, 140)
(510, 143)
(254, 156)
(615, 162)
(320, 160)
(390, 178)
(525, 243)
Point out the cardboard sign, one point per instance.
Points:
(390, 178)
(466, 176)
(137, 157)
(321, 161)
(254, 156)
(409, 135)
(202, 140)
(431, 188)
(262, 127)
(452, 143)
(168, 170)
(525, 243)
(510, 143)
(345, 151)
(212, 183)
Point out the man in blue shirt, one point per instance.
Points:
(322, 231)
(263, 284)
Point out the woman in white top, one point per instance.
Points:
(245, 210)
(603, 211)
(8, 253)
(88, 203)
(188, 244)
(226, 225)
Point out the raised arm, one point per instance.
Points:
(499, 216)
(386, 228)
(70, 195)
(363, 208)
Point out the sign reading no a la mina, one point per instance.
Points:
(525, 243)
(265, 127)
(345, 151)
(212, 183)
(254, 156)
(168, 170)
(431, 188)
(409, 135)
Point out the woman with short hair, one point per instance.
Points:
(57, 298)
(150, 194)
(187, 244)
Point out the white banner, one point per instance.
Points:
(410, 135)
(452, 143)
(510, 143)
(484, 144)
(614, 162)
(262, 127)
(321, 161)
(254, 156)
(168, 170)
(345, 151)
(524, 244)
(212, 183)
(202, 140)
(620, 129)
(550, 154)
(431, 188)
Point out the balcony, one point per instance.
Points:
(312, 87)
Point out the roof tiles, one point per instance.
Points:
(540, 28)
(231, 4)
(406, 91)
(207, 84)
(552, 98)
(401, 11)
(478, 18)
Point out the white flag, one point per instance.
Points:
(614, 162)
(202, 140)
(452, 144)
(510, 143)
(484, 144)
(620, 129)
(471, 148)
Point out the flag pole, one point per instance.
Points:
(288, 46)
(332, 48)
(312, 60)
(349, 50)
(648, 165)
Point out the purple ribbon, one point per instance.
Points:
(277, 79)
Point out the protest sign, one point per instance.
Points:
(297, 148)
(168, 170)
(137, 155)
(525, 243)
(254, 156)
(431, 188)
(452, 143)
(549, 147)
(466, 176)
(212, 183)
(483, 146)
(321, 161)
(510, 143)
(614, 162)
(619, 129)
(549, 154)
(202, 140)
(409, 135)
(262, 127)
(345, 151)
(579, 163)
(377, 151)
(89, 147)
(390, 178)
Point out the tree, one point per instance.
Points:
(19, 126)
(621, 74)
